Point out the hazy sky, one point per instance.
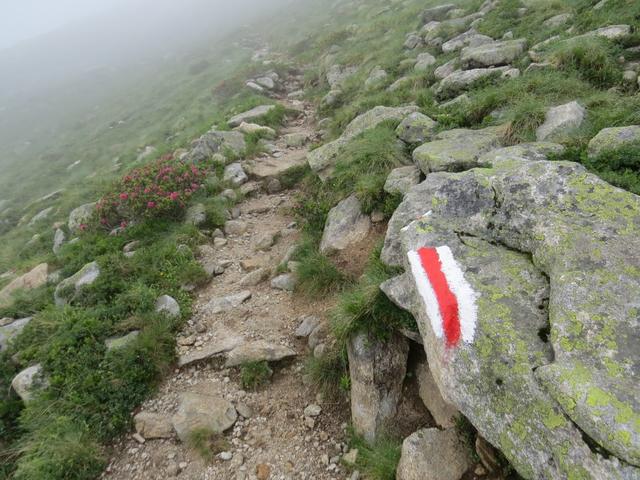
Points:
(23, 19)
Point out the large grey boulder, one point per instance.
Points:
(400, 180)
(70, 287)
(416, 128)
(258, 351)
(250, 116)
(11, 330)
(547, 251)
(377, 369)
(456, 150)
(28, 381)
(461, 80)
(80, 216)
(613, 138)
(322, 160)
(432, 454)
(198, 411)
(470, 38)
(346, 225)
(34, 278)
(217, 142)
(560, 121)
(493, 54)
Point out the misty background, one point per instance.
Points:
(71, 69)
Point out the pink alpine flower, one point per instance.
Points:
(151, 204)
(124, 196)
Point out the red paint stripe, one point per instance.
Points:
(447, 301)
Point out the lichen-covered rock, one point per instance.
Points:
(197, 411)
(433, 454)
(416, 128)
(462, 80)
(377, 369)
(522, 151)
(549, 253)
(470, 38)
(613, 138)
(377, 78)
(456, 150)
(80, 216)
(345, 226)
(412, 41)
(196, 215)
(446, 69)
(28, 381)
(322, 160)
(250, 116)
(492, 54)
(296, 139)
(11, 330)
(255, 129)
(32, 279)
(400, 180)
(215, 143)
(423, 62)
(560, 121)
(69, 288)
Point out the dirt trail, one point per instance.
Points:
(276, 441)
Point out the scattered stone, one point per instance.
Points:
(470, 38)
(224, 304)
(254, 128)
(197, 411)
(336, 75)
(138, 438)
(557, 20)
(28, 381)
(266, 240)
(560, 121)
(345, 226)
(312, 410)
(254, 277)
(446, 69)
(437, 13)
(432, 454)
(263, 471)
(235, 227)
(258, 351)
(286, 282)
(461, 80)
(493, 54)
(115, 343)
(351, 457)
(424, 61)
(80, 216)
(10, 329)
(69, 288)
(196, 215)
(168, 305)
(42, 215)
(377, 77)
(412, 41)
(244, 410)
(250, 115)
(33, 279)
(377, 370)
(295, 140)
(234, 173)
(613, 138)
(416, 128)
(210, 350)
(307, 325)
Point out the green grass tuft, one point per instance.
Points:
(255, 374)
(207, 443)
(378, 460)
(317, 275)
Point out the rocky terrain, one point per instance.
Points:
(380, 285)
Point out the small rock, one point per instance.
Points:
(244, 410)
(225, 456)
(307, 325)
(263, 471)
(168, 305)
(286, 281)
(235, 174)
(312, 410)
(235, 227)
(351, 457)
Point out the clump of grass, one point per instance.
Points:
(255, 374)
(378, 460)
(207, 443)
(526, 117)
(317, 275)
(365, 306)
(593, 59)
(329, 372)
(216, 209)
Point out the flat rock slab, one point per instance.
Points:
(224, 304)
(153, 425)
(258, 351)
(461, 80)
(211, 350)
(264, 168)
(492, 54)
(250, 116)
(197, 411)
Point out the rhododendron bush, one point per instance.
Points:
(159, 189)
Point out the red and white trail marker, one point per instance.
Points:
(449, 299)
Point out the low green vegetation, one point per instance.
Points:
(329, 373)
(255, 374)
(377, 460)
(207, 443)
(317, 274)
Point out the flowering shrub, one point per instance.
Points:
(159, 189)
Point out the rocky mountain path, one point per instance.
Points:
(282, 430)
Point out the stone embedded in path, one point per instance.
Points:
(493, 54)
(613, 138)
(235, 227)
(416, 128)
(28, 381)
(432, 454)
(400, 180)
(377, 370)
(250, 115)
(295, 140)
(80, 216)
(229, 302)
(168, 305)
(346, 225)
(210, 350)
(254, 128)
(198, 411)
(69, 288)
(254, 277)
(258, 351)
(153, 425)
(11, 330)
(307, 325)
(33, 279)
(234, 173)
(456, 150)
(561, 121)
(322, 160)
(266, 168)
(286, 282)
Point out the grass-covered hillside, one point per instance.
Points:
(142, 234)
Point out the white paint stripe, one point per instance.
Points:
(426, 292)
(467, 308)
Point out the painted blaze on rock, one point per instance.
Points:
(547, 354)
